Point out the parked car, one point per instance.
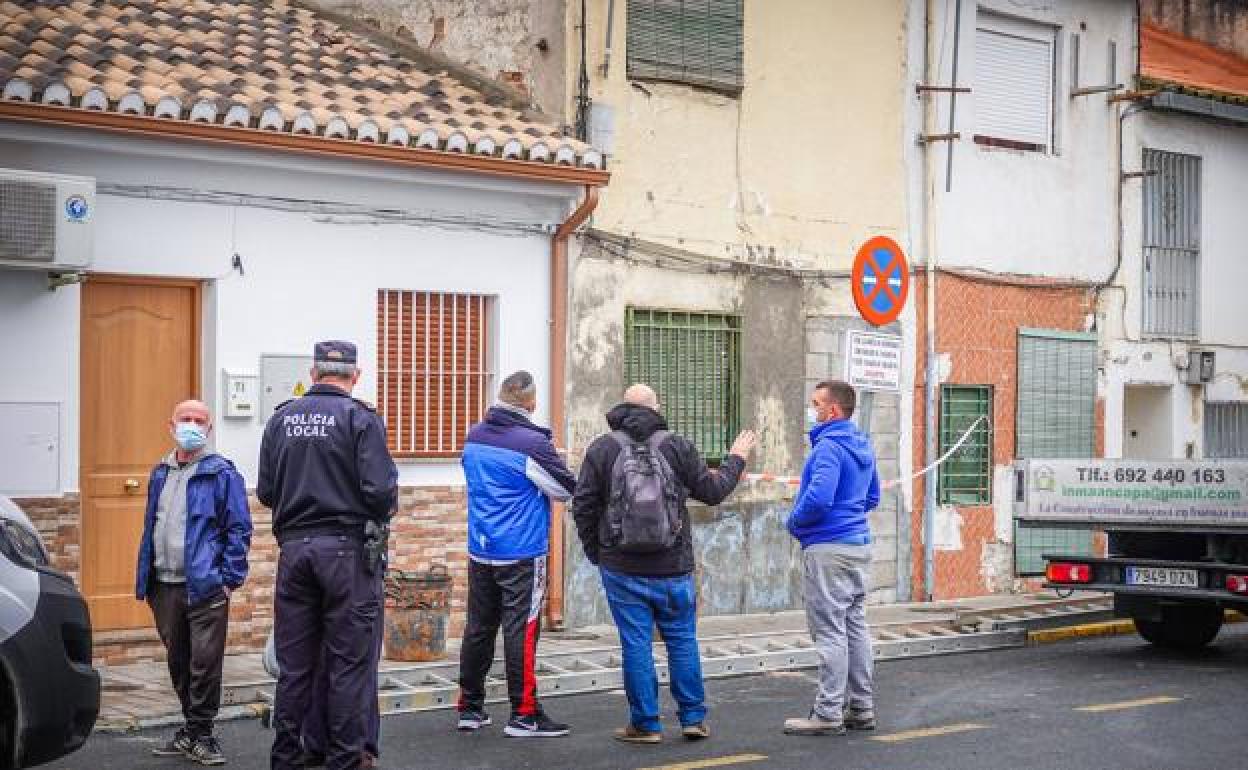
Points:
(49, 693)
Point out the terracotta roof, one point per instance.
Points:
(1169, 58)
(253, 64)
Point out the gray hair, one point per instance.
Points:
(518, 389)
(336, 369)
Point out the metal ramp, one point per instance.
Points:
(432, 686)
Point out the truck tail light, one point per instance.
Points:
(1064, 572)
(1237, 584)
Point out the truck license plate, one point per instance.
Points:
(1162, 576)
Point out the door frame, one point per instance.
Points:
(197, 308)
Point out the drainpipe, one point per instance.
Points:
(558, 386)
(930, 117)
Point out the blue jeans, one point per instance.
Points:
(638, 604)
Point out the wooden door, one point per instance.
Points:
(140, 356)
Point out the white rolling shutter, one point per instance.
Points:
(1013, 87)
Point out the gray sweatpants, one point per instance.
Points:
(835, 587)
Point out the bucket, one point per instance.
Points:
(418, 611)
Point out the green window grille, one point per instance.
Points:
(696, 42)
(693, 361)
(1056, 417)
(966, 477)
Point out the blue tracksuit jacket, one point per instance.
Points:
(513, 471)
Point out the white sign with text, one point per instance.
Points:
(873, 361)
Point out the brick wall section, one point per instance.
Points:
(977, 323)
(431, 528)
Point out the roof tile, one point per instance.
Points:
(1172, 58)
(256, 54)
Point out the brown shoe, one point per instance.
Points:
(631, 734)
(698, 732)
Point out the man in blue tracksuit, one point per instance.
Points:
(839, 488)
(192, 556)
(513, 472)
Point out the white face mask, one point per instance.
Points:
(812, 417)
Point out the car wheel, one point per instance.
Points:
(1186, 629)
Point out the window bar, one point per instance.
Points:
(426, 314)
(454, 384)
(394, 320)
(403, 300)
(440, 405)
(387, 313)
(383, 366)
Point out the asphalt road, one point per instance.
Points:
(1103, 703)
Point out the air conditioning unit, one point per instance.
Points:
(46, 220)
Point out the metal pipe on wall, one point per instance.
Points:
(930, 74)
(558, 386)
(606, 56)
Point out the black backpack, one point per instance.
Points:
(643, 512)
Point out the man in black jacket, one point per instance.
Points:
(645, 589)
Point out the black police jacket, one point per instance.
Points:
(324, 465)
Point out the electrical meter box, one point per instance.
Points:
(1200, 367)
(241, 394)
(282, 377)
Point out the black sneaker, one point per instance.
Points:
(537, 726)
(177, 746)
(860, 719)
(206, 751)
(471, 720)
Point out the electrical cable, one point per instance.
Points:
(795, 480)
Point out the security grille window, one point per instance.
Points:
(1226, 429)
(433, 362)
(697, 42)
(1013, 89)
(1056, 417)
(1171, 244)
(966, 477)
(693, 361)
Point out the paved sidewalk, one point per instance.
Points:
(138, 695)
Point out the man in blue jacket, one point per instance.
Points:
(839, 488)
(193, 555)
(513, 472)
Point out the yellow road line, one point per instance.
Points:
(1129, 704)
(735, 759)
(929, 732)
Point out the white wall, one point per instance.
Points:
(1036, 213)
(1133, 359)
(1223, 149)
(39, 332)
(305, 277)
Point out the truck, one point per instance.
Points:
(1177, 538)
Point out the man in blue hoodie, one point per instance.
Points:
(839, 488)
(513, 472)
(192, 557)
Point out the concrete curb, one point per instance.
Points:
(1082, 631)
(1108, 628)
(138, 724)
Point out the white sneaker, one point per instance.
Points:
(813, 725)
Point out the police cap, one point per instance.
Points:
(334, 352)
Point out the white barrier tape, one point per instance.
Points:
(796, 480)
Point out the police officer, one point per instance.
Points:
(327, 475)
